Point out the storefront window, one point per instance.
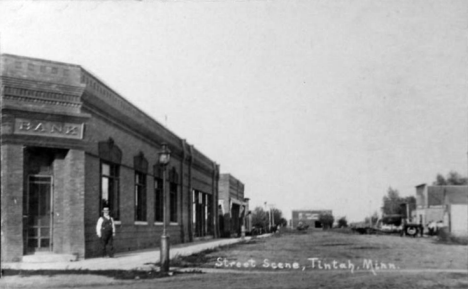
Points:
(158, 201)
(140, 196)
(173, 202)
(202, 214)
(110, 188)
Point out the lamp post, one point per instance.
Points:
(164, 159)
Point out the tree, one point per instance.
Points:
(326, 220)
(259, 218)
(410, 202)
(277, 215)
(283, 222)
(440, 181)
(453, 178)
(367, 220)
(372, 220)
(392, 202)
(342, 222)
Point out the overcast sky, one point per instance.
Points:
(311, 104)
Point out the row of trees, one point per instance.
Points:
(453, 178)
(262, 219)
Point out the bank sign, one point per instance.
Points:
(48, 128)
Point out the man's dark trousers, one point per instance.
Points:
(107, 240)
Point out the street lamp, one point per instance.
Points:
(164, 159)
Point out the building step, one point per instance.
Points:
(48, 258)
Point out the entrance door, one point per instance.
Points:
(199, 214)
(39, 214)
(235, 214)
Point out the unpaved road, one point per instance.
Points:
(290, 260)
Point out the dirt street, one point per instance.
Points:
(292, 260)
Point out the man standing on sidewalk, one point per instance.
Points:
(105, 230)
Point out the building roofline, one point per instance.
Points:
(41, 60)
(450, 186)
(83, 70)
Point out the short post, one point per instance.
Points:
(164, 253)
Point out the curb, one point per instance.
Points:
(128, 261)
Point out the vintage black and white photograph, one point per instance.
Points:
(234, 144)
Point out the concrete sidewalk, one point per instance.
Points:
(136, 260)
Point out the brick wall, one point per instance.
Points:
(92, 187)
(129, 234)
(60, 211)
(63, 93)
(12, 202)
(74, 202)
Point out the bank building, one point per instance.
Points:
(71, 145)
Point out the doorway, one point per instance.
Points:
(38, 216)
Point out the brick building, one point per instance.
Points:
(71, 145)
(233, 207)
(308, 217)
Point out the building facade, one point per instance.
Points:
(308, 217)
(233, 207)
(70, 146)
(456, 211)
(445, 204)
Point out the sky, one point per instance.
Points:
(311, 104)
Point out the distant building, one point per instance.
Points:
(308, 217)
(233, 207)
(448, 204)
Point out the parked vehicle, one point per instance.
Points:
(390, 224)
(301, 226)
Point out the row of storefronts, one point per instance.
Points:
(71, 146)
